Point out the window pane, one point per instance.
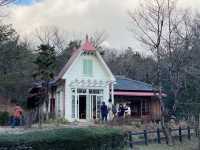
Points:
(73, 106)
(87, 67)
(90, 71)
(84, 66)
(58, 103)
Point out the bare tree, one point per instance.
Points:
(52, 36)
(98, 38)
(149, 23)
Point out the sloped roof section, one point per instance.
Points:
(86, 47)
(68, 64)
(127, 84)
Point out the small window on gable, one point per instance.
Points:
(87, 67)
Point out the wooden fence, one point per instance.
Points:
(179, 133)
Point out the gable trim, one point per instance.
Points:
(106, 66)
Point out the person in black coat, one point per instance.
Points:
(121, 111)
(104, 112)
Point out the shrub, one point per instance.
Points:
(57, 121)
(66, 139)
(4, 118)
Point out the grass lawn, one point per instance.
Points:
(186, 145)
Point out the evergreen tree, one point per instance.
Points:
(45, 62)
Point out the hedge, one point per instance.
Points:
(4, 118)
(65, 139)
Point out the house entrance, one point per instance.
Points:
(86, 103)
(82, 106)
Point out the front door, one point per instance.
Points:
(95, 103)
(86, 105)
(82, 107)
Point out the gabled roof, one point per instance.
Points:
(87, 47)
(68, 64)
(126, 84)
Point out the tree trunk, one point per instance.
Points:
(165, 126)
(198, 131)
(47, 100)
(29, 119)
(196, 125)
(40, 117)
(167, 132)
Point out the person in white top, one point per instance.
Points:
(128, 110)
(110, 114)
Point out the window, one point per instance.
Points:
(145, 106)
(73, 106)
(87, 67)
(99, 100)
(81, 91)
(58, 102)
(95, 91)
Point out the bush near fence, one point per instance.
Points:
(65, 139)
(4, 118)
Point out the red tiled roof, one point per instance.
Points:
(88, 46)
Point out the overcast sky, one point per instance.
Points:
(80, 16)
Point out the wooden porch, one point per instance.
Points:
(145, 108)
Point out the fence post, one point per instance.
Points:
(180, 134)
(189, 135)
(130, 139)
(145, 137)
(158, 136)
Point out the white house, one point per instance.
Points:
(82, 85)
(86, 81)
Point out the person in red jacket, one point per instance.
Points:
(17, 116)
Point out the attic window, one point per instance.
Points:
(87, 67)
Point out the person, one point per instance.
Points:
(104, 112)
(127, 110)
(17, 116)
(114, 110)
(110, 114)
(121, 111)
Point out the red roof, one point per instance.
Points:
(88, 46)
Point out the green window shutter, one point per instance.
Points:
(90, 68)
(87, 67)
(84, 67)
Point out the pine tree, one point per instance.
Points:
(45, 62)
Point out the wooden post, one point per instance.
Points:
(158, 136)
(112, 93)
(141, 108)
(189, 135)
(180, 134)
(145, 137)
(130, 139)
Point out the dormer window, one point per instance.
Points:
(87, 67)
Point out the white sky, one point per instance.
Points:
(82, 16)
